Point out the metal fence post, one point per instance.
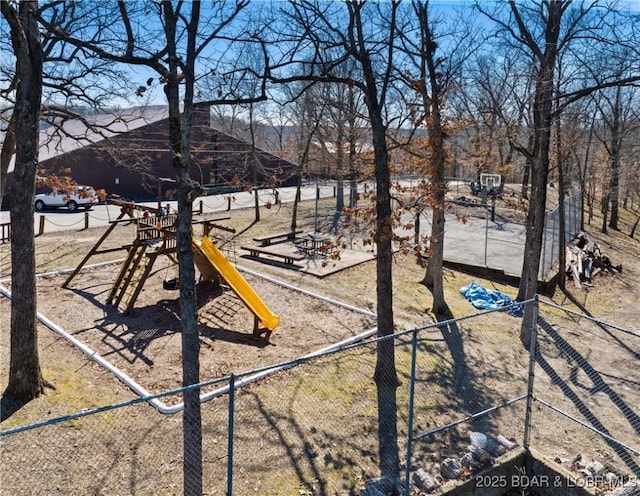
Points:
(486, 237)
(579, 210)
(574, 211)
(232, 397)
(532, 366)
(412, 385)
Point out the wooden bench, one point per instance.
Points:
(282, 236)
(256, 251)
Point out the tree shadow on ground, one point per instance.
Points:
(129, 336)
(320, 458)
(604, 328)
(296, 454)
(239, 233)
(578, 362)
(465, 379)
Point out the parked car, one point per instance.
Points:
(79, 196)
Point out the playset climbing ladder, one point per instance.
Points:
(133, 272)
(155, 237)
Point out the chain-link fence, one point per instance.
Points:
(464, 393)
(587, 383)
(499, 233)
(551, 239)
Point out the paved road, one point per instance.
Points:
(100, 215)
(477, 242)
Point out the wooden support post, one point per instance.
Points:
(41, 227)
(257, 332)
(86, 220)
(95, 247)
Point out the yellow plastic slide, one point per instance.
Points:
(237, 283)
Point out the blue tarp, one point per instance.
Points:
(490, 300)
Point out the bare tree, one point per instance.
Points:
(541, 31)
(615, 107)
(83, 84)
(433, 75)
(328, 34)
(300, 100)
(340, 133)
(25, 377)
(493, 99)
(544, 52)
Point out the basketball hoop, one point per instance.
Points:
(490, 180)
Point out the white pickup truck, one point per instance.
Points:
(79, 196)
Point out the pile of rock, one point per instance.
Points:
(480, 453)
(600, 476)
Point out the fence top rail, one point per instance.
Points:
(592, 319)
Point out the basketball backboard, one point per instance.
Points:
(490, 180)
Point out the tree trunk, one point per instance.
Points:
(353, 153)
(525, 180)
(296, 200)
(25, 380)
(254, 166)
(605, 212)
(542, 120)
(561, 213)
(432, 94)
(340, 170)
(436, 252)
(590, 200)
(256, 201)
(583, 177)
(416, 236)
(614, 186)
(180, 141)
(385, 374)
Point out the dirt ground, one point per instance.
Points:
(146, 345)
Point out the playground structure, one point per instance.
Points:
(156, 237)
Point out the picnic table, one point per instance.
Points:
(314, 244)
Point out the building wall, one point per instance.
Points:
(129, 164)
